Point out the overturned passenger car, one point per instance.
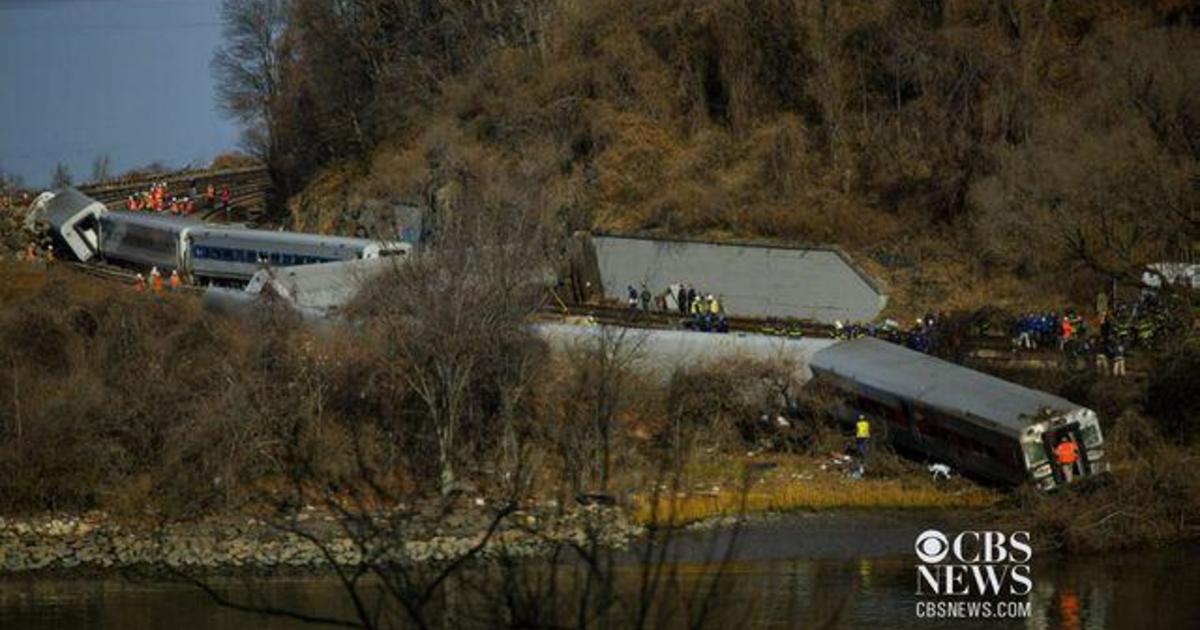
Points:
(982, 425)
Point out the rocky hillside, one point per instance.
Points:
(971, 152)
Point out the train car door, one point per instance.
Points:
(1050, 440)
(185, 255)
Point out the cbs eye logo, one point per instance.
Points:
(932, 546)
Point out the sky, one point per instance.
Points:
(126, 78)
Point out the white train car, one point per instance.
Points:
(232, 254)
(145, 240)
(71, 219)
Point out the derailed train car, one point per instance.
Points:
(983, 425)
(223, 253)
(70, 217)
(204, 252)
(146, 240)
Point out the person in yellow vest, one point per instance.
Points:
(714, 306)
(862, 436)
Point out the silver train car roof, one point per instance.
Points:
(165, 222)
(274, 236)
(938, 384)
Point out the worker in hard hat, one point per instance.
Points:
(862, 436)
(156, 281)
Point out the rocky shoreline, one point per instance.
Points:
(243, 545)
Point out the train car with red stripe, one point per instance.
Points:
(983, 425)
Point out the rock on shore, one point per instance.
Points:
(94, 542)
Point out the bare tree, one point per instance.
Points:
(101, 167)
(61, 177)
(248, 69)
(453, 323)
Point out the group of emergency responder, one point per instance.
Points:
(158, 199)
(705, 312)
(34, 252)
(1105, 350)
(9, 201)
(922, 337)
(173, 282)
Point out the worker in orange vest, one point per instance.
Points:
(139, 283)
(156, 281)
(225, 198)
(1068, 329)
(130, 204)
(174, 282)
(1067, 453)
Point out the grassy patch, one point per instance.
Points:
(796, 483)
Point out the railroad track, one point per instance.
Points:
(980, 350)
(248, 188)
(102, 271)
(977, 350)
(120, 275)
(622, 316)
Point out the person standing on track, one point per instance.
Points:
(139, 284)
(156, 281)
(174, 282)
(225, 198)
(1118, 357)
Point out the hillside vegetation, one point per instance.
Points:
(968, 151)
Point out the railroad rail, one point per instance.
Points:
(248, 188)
(975, 350)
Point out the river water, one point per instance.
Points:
(836, 571)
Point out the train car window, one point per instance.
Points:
(274, 258)
(1036, 454)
